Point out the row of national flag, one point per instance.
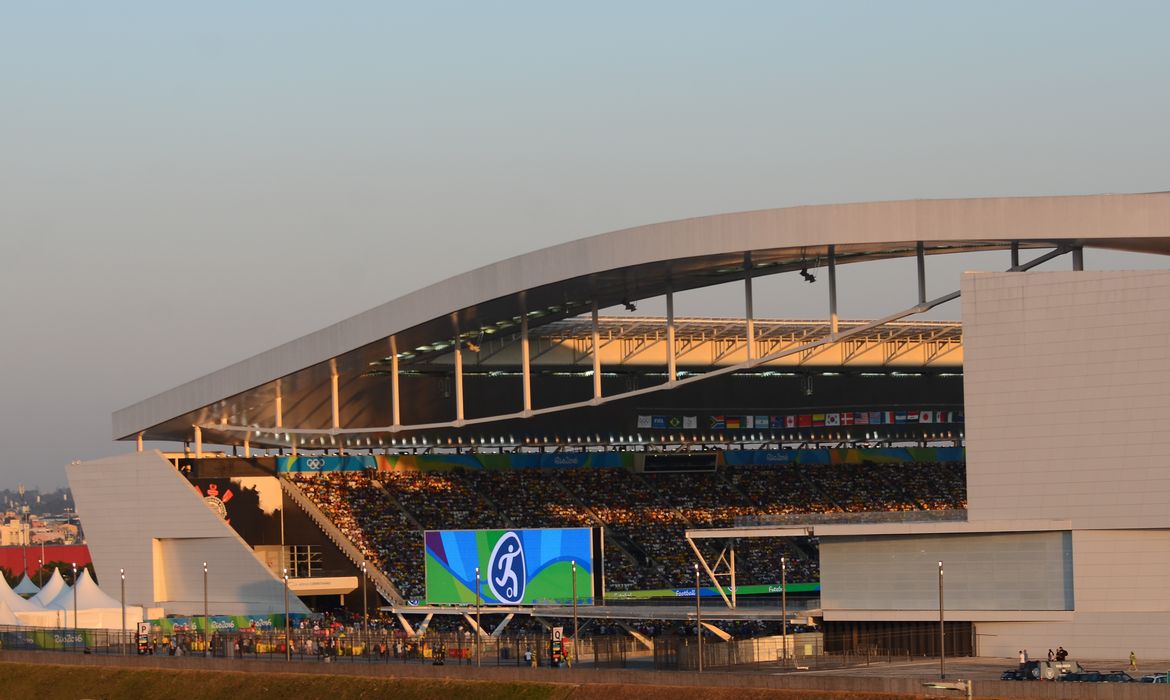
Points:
(802, 420)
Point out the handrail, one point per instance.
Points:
(382, 582)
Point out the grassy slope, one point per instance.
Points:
(46, 682)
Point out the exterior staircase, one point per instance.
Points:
(382, 583)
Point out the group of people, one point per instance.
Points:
(645, 515)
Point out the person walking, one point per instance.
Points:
(1132, 661)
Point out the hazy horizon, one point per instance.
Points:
(187, 186)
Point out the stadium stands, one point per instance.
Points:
(644, 515)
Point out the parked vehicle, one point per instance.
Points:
(1098, 677)
(1041, 670)
(1155, 678)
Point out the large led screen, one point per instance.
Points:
(517, 567)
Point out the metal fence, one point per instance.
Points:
(326, 646)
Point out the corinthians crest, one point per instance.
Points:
(216, 502)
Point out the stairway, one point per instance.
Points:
(382, 583)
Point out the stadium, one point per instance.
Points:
(380, 460)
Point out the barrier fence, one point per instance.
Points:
(804, 651)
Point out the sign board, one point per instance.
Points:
(516, 567)
(558, 634)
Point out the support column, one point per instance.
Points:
(1015, 253)
(458, 375)
(1078, 259)
(198, 442)
(525, 362)
(671, 360)
(596, 355)
(921, 273)
(395, 407)
(733, 586)
(333, 394)
(139, 441)
(247, 445)
(833, 290)
(749, 318)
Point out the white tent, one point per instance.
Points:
(26, 587)
(95, 609)
(50, 590)
(89, 596)
(15, 603)
(7, 617)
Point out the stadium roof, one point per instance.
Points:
(564, 281)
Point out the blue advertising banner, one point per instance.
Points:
(516, 567)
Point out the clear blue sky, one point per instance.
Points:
(185, 184)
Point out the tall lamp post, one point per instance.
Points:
(575, 658)
(123, 573)
(365, 601)
(287, 629)
(75, 631)
(784, 604)
(206, 618)
(477, 628)
(699, 617)
(942, 638)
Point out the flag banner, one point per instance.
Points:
(789, 421)
(760, 422)
(805, 420)
(832, 420)
(734, 422)
(675, 422)
(899, 417)
(889, 417)
(775, 422)
(926, 417)
(644, 421)
(818, 420)
(912, 416)
(847, 418)
(658, 422)
(717, 423)
(875, 418)
(861, 418)
(690, 422)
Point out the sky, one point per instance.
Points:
(183, 185)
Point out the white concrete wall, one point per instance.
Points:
(1067, 392)
(141, 515)
(1005, 571)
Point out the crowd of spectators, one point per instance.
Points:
(644, 515)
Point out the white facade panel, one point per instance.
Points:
(140, 515)
(1067, 392)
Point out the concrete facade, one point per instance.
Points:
(142, 516)
(1067, 394)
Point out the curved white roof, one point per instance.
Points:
(640, 262)
(26, 587)
(14, 602)
(89, 596)
(50, 590)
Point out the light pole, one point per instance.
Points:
(477, 628)
(41, 571)
(206, 618)
(699, 617)
(574, 612)
(75, 631)
(784, 604)
(123, 572)
(942, 638)
(287, 634)
(365, 601)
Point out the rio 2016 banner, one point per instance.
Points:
(517, 567)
